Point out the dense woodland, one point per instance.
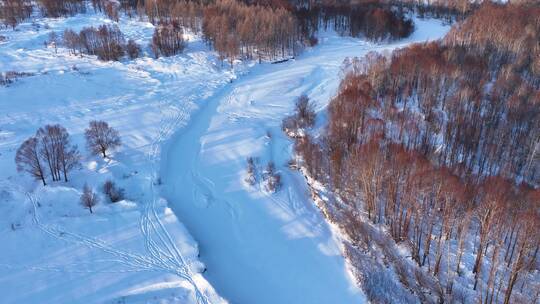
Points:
(440, 144)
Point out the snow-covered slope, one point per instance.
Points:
(261, 247)
(53, 250)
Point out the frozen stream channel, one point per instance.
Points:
(262, 248)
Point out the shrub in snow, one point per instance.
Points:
(133, 49)
(10, 76)
(251, 177)
(88, 198)
(100, 138)
(114, 193)
(273, 178)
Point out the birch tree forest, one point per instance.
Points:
(438, 143)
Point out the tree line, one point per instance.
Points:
(238, 30)
(439, 143)
(235, 29)
(373, 20)
(13, 12)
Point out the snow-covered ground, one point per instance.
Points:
(53, 250)
(261, 247)
(257, 247)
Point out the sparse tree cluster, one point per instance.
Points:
(106, 42)
(133, 49)
(13, 12)
(49, 153)
(168, 40)
(304, 116)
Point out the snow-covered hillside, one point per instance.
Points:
(187, 125)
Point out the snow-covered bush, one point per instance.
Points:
(114, 193)
(133, 49)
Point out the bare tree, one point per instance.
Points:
(100, 137)
(88, 198)
(27, 159)
(56, 148)
(111, 9)
(53, 41)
